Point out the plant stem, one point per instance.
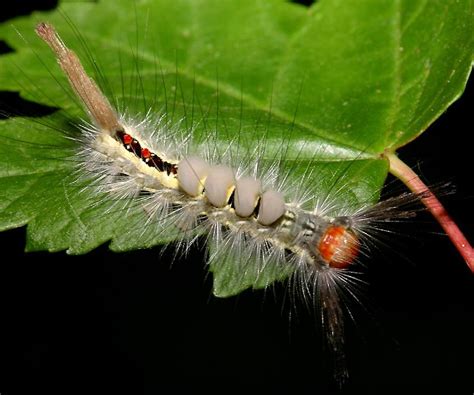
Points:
(402, 171)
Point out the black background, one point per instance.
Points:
(124, 323)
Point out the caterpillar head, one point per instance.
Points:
(339, 245)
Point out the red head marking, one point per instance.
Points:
(127, 139)
(339, 246)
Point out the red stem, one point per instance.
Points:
(400, 170)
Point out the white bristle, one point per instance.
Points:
(219, 185)
(192, 174)
(272, 207)
(247, 192)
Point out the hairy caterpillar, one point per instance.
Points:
(250, 224)
(140, 140)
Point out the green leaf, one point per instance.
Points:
(339, 83)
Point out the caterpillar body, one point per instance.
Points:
(126, 160)
(252, 218)
(255, 215)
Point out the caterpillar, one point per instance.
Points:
(114, 151)
(126, 160)
(246, 219)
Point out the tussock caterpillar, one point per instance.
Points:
(264, 221)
